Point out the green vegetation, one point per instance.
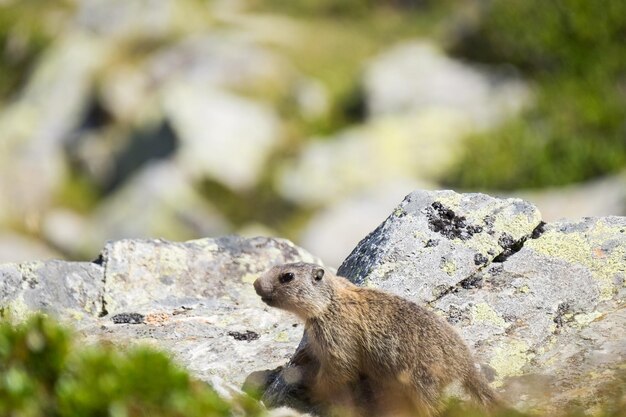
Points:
(26, 29)
(573, 51)
(42, 373)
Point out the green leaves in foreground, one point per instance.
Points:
(43, 374)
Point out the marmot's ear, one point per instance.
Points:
(318, 274)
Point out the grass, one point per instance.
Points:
(573, 52)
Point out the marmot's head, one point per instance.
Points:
(300, 288)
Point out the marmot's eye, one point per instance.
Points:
(286, 277)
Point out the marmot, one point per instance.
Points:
(407, 354)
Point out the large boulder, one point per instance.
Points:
(418, 75)
(71, 291)
(541, 305)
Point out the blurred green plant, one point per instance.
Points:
(26, 29)
(574, 53)
(43, 373)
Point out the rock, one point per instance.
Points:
(333, 232)
(197, 301)
(67, 230)
(71, 291)
(159, 200)
(419, 146)
(116, 18)
(193, 299)
(541, 305)
(550, 313)
(221, 60)
(416, 76)
(34, 128)
(223, 136)
(434, 240)
(19, 248)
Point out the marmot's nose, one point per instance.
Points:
(258, 287)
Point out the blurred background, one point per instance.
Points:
(304, 119)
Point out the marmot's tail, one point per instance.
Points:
(478, 387)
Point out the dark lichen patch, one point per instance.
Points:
(539, 230)
(128, 318)
(247, 336)
(474, 281)
(446, 222)
(559, 318)
(431, 243)
(456, 315)
(480, 259)
(509, 246)
(506, 241)
(496, 270)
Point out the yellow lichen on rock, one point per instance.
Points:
(483, 313)
(282, 337)
(586, 249)
(509, 359)
(449, 267)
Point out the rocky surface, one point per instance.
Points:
(193, 299)
(541, 305)
(335, 231)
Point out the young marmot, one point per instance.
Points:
(406, 353)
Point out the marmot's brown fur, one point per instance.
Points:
(407, 354)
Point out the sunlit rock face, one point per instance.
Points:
(193, 299)
(541, 305)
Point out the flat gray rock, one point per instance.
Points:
(71, 291)
(195, 299)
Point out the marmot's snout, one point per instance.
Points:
(263, 289)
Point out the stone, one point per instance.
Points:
(550, 313)
(334, 231)
(192, 299)
(218, 60)
(429, 243)
(67, 230)
(596, 198)
(223, 137)
(196, 300)
(35, 128)
(118, 18)
(541, 305)
(417, 75)
(158, 200)
(419, 146)
(71, 291)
